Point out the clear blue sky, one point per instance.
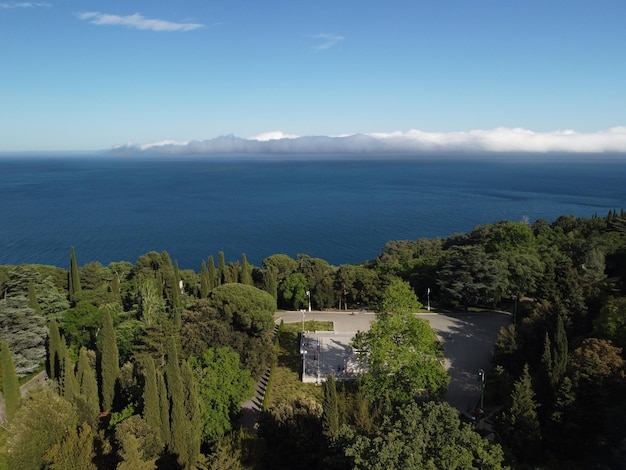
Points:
(92, 75)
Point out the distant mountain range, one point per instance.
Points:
(230, 144)
(414, 141)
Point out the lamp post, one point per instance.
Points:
(302, 312)
(481, 377)
(514, 297)
(428, 294)
(308, 294)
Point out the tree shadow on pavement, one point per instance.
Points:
(468, 339)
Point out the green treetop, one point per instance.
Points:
(74, 276)
(109, 363)
(10, 384)
(401, 355)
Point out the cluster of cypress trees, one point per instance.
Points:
(211, 278)
(170, 398)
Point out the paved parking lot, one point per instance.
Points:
(468, 340)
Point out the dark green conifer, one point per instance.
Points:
(70, 387)
(74, 276)
(109, 363)
(88, 385)
(221, 268)
(520, 423)
(115, 286)
(167, 267)
(246, 274)
(54, 346)
(270, 284)
(204, 281)
(164, 409)
(330, 417)
(61, 364)
(192, 413)
(211, 278)
(560, 352)
(10, 383)
(175, 392)
(544, 383)
(176, 299)
(151, 407)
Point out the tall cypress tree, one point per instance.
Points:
(61, 365)
(192, 413)
(330, 417)
(151, 407)
(54, 345)
(70, 383)
(246, 275)
(169, 283)
(559, 354)
(109, 363)
(164, 409)
(115, 286)
(211, 278)
(545, 383)
(175, 393)
(204, 281)
(270, 284)
(176, 302)
(221, 268)
(520, 423)
(74, 276)
(10, 383)
(88, 385)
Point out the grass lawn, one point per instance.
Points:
(26, 378)
(286, 383)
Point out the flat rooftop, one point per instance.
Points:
(327, 352)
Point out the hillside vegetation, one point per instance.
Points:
(148, 364)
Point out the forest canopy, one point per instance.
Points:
(148, 364)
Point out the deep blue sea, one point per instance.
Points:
(341, 210)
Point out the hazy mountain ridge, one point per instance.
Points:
(501, 140)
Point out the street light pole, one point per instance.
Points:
(428, 294)
(514, 296)
(481, 375)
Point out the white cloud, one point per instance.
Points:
(505, 139)
(136, 21)
(163, 143)
(414, 141)
(9, 5)
(328, 41)
(273, 135)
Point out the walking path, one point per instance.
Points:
(250, 410)
(39, 378)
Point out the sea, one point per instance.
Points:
(342, 209)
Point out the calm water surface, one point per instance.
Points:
(344, 211)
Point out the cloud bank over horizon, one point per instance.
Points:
(498, 140)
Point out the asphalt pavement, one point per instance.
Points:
(467, 337)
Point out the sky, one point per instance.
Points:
(87, 75)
